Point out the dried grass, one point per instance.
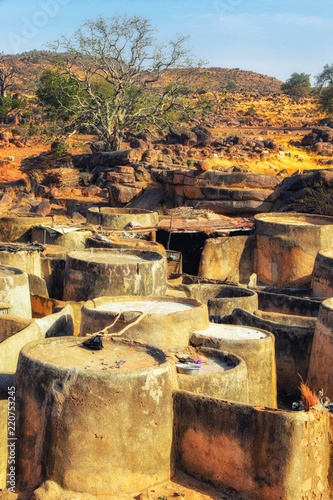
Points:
(309, 398)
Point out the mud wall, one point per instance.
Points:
(263, 454)
(230, 258)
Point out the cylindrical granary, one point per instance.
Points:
(69, 237)
(287, 245)
(293, 342)
(118, 218)
(256, 347)
(14, 292)
(221, 374)
(133, 243)
(24, 257)
(322, 276)
(95, 272)
(166, 322)
(15, 228)
(222, 299)
(320, 374)
(97, 423)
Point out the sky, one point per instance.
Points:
(272, 37)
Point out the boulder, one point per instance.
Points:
(149, 199)
(4, 137)
(202, 166)
(204, 136)
(98, 146)
(317, 147)
(124, 194)
(137, 143)
(327, 149)
(54, 193)
(327, 136)
(181, 135)
(324, 133)
(77, 217)
(44, 207)
(308, 139)
(118, 178)
(142, 174)
(93, 190)
(41, 190)
(6, 200)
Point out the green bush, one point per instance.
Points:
(319, 199)
(8, 104)
(251, 111)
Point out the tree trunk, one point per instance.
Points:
(117, 139)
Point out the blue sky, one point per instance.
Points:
(273, 37)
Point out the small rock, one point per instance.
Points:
(44, 207)
(6, 200)
(142, 496)
(93, 190)
(55, 193)
(77, 217)
(202, 166)
(4, 137)
(41, 190)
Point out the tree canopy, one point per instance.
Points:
(325, 83)
(105, 78)
(297, 86)
(231, 86)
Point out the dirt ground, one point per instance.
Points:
(182, 487)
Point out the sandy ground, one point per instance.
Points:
(181, 487)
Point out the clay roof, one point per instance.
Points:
(222, 224)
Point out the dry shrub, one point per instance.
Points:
(319, 199)
(309, 398)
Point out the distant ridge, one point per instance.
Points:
(31, 64)
(245, 80)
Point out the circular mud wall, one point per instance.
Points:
(118, 218)
(320, 375)
(222, 299)
(165, 321)
(72, 240)
(15, 292)
(287, 245)
(256, 347)
(91, 426)
(97, 272)
(222, 375)
(322, 276)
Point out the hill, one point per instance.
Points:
(31, 64)
(245, 81)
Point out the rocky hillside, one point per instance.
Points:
(223, 78)
(30, 65)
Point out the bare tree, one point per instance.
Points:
(107, 77)
(7, 74)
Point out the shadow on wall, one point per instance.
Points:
(59, 324)
(255, 451)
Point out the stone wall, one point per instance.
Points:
(227, 193)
